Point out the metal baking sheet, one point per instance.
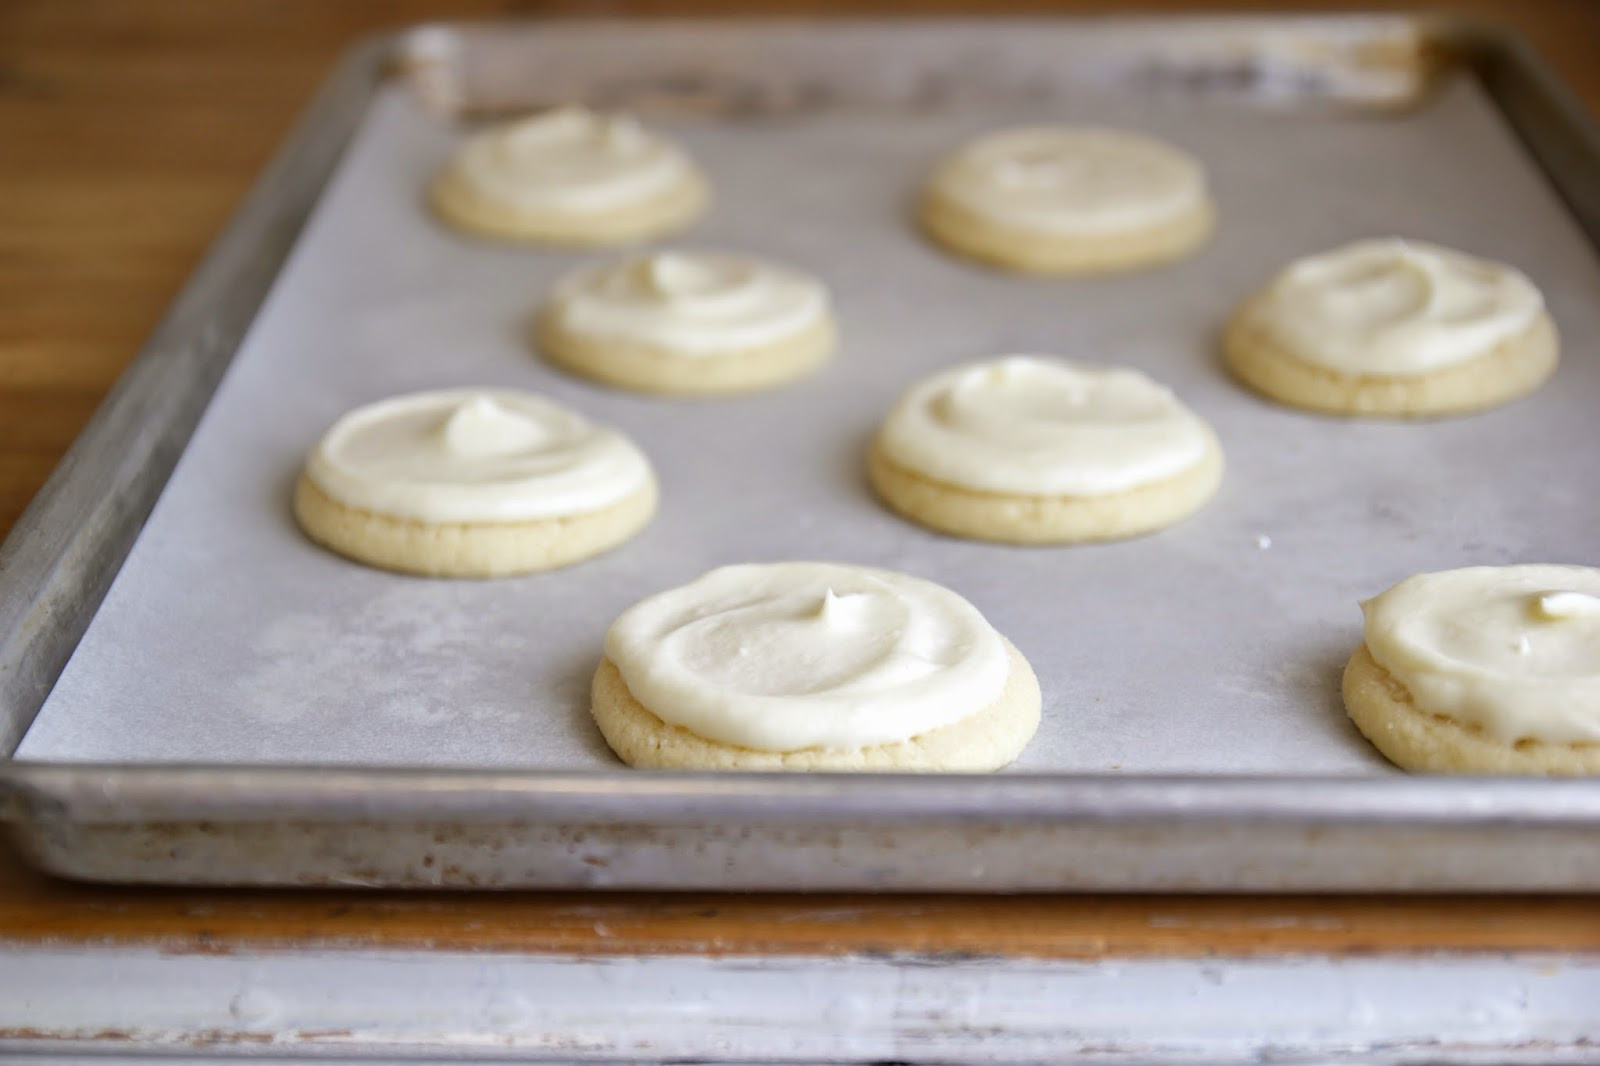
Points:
(1187, 675)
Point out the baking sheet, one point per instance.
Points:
(1213, 647)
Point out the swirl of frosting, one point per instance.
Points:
(1395, 307)
(1073, 180)
(694, 303)
(571, 160)
(475, 455)
(1040, 426)
(1513, 650)
(790, 656)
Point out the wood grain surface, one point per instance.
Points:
(128, 130)
(36, 910)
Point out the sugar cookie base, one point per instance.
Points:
(477, 549)
(669, 213)
(1414, 739)
(1022, 519)
(1510, 370)
(631, 364)
(984, 741)
(1031, 251)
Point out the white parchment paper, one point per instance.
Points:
(1212, 647)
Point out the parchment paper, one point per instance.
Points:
(1213, 647)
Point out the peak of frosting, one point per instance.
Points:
(692, 302)
(706, 285)
(670, 274)
(479, 426)
(472, 455)
(1560, 606)
(843, 610)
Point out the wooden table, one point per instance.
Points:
(127, 132)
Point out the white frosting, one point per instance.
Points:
(1039, 426)
(1072, 180)
(694, 303)
(570, 159)
(1514, 650)
(789, 656)
(1395, 307)
(475, 455)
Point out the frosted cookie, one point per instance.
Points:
(1393, 327)
(570, 177)
(472, 483)
(1068, 200)
(693, 323)
(1483, 670)
(1028, 449)
(812, 666)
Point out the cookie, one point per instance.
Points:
(1068, 200)
(688, 323)
(1394, 328)
(569, 177)
(472, 483)
(1492, 670)
(1029, 449)
(812, 666)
